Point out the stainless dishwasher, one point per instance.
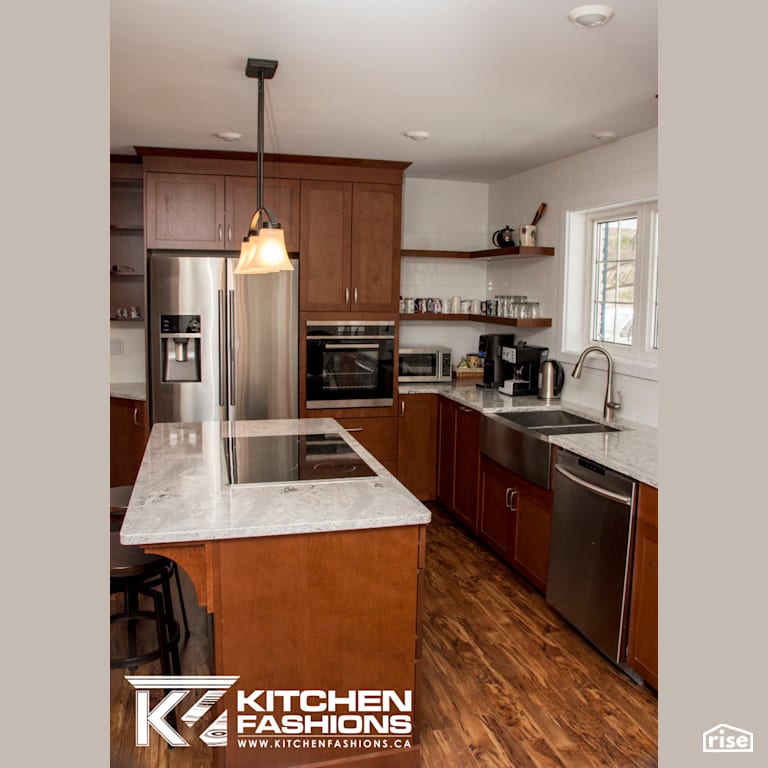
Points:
(589, 555)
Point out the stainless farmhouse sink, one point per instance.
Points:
(557, 422)
(518, 441)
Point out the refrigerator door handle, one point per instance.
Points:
(231, 332)
(222, 347)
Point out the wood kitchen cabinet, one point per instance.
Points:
(515, 520)
(417, 445)
(458, 460)
(212, 212)
(128, 435)
(377, 435)
(350, 246)
(643, 642)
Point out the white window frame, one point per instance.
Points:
(640, 359)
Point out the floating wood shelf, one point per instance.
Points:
(519, 251)
(539, 322)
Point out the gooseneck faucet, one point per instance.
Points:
(610, 406)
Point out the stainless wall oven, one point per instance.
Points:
(350, 363)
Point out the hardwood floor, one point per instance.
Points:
(506, 683)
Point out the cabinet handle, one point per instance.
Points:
(346, 295)
(402, 407)
(136, 417)
(221, 232)
(229, 232)
(509, 498)
(355, 295)
(355, 429)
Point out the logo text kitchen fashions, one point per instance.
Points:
(286, 717)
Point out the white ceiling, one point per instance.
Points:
(502, 85)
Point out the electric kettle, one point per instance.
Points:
(551, 378)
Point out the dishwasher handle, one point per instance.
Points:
(605, 493)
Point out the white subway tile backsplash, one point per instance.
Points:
(444, 215)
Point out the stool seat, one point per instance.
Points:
(136, 574)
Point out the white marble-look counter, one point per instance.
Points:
(632, 450)
(182, 492)
(130, 390)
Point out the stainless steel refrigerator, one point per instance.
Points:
(222, 346)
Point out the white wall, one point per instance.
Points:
(612, 173)
(130, 366)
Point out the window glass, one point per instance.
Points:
(615, 249)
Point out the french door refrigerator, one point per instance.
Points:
(222, 346)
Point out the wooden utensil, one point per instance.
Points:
(539, 213)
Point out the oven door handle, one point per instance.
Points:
(352, 345)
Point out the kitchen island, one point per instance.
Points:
(313, 584)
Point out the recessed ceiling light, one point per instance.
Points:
(229, 135)
(603, 135)
(591, 15)
(417, 135)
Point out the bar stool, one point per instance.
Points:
(135, 573)
(119, 496)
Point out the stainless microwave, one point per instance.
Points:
(424, 364)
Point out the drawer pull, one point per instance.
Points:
(136, 417)
(355, 429)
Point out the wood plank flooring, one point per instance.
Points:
(506, 684)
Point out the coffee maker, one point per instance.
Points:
(490, 347)
(516, 364)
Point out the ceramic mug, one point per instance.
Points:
(447, 306)
(409, 305)
(435, 305)
(527, 234)
(456, 305)
(474, 307)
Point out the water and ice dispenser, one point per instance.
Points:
(180, 339)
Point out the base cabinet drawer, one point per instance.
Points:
(377, 435)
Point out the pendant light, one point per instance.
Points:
(263, 249)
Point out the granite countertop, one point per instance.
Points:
(130, 390)
(182, 493)
(633, 450)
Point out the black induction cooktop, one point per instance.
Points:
(291, 458)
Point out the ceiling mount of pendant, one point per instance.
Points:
(263, 67)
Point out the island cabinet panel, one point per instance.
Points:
(417, 445)
(643, 641)
(210, 212)
(128, 435)
(458, 460)
(323, 611)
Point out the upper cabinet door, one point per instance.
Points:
(326, 224)
(185, 211)
(281, 198)
(375, 275)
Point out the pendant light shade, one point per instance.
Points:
(263, 253)
(263, 249)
